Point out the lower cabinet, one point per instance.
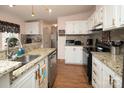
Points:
(27, 80)
(5, 81)
(74, 55)
(96, 73)
(104, 77)
(36, 77)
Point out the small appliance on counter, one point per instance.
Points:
(115, 47)
(70, 42)
(73, 42)
(77, 42)
(89, 42)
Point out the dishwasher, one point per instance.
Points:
(52, 69)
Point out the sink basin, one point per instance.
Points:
(26, 59)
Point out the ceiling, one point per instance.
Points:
(24, 11)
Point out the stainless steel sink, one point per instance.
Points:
(26, 59)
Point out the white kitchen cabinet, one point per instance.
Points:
(27, 80)
(32, 28)
(73, 55)
(5, 81)
(90, 23)
(111, 79)
(104, 77)
(97, 73)
(117, 82)
(81, 27)
(107, 79)
(76, 27)
(110, 17)
(95, 19)
(69, 27)
(69, 54)
(121, 15)
(99, 16)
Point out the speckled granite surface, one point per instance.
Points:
(43, 52)
(114, 62)
(8, 66)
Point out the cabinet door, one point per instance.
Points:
(69, 55)
(77, 55)
(27, 80)
(107, 79)
(121, 15)
(83, 27)
(69, 28)
(117, 82)
(32, 28)
(97, 75)
(109, 21)
(111, 17)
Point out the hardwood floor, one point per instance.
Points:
(71, 76)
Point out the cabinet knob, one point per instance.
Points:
(113, 85)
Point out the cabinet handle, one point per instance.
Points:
(113, 85)
(94, 72)
(94, 80)
(110, 79)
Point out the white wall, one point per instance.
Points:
(61, 25)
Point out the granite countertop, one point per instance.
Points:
(8, 66)
(114, 62)
(43, 52)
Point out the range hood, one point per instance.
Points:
(98, 27)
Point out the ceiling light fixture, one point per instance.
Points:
(33, 14)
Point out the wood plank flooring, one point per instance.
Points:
(71, 76)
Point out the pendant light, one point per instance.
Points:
(33, 14)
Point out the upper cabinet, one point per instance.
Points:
(32, 28)
(110, 17)
(96, 18)
(76, 27)
(121, 15)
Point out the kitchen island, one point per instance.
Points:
(33, 74)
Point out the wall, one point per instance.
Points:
(9, 17)
(61, 25)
